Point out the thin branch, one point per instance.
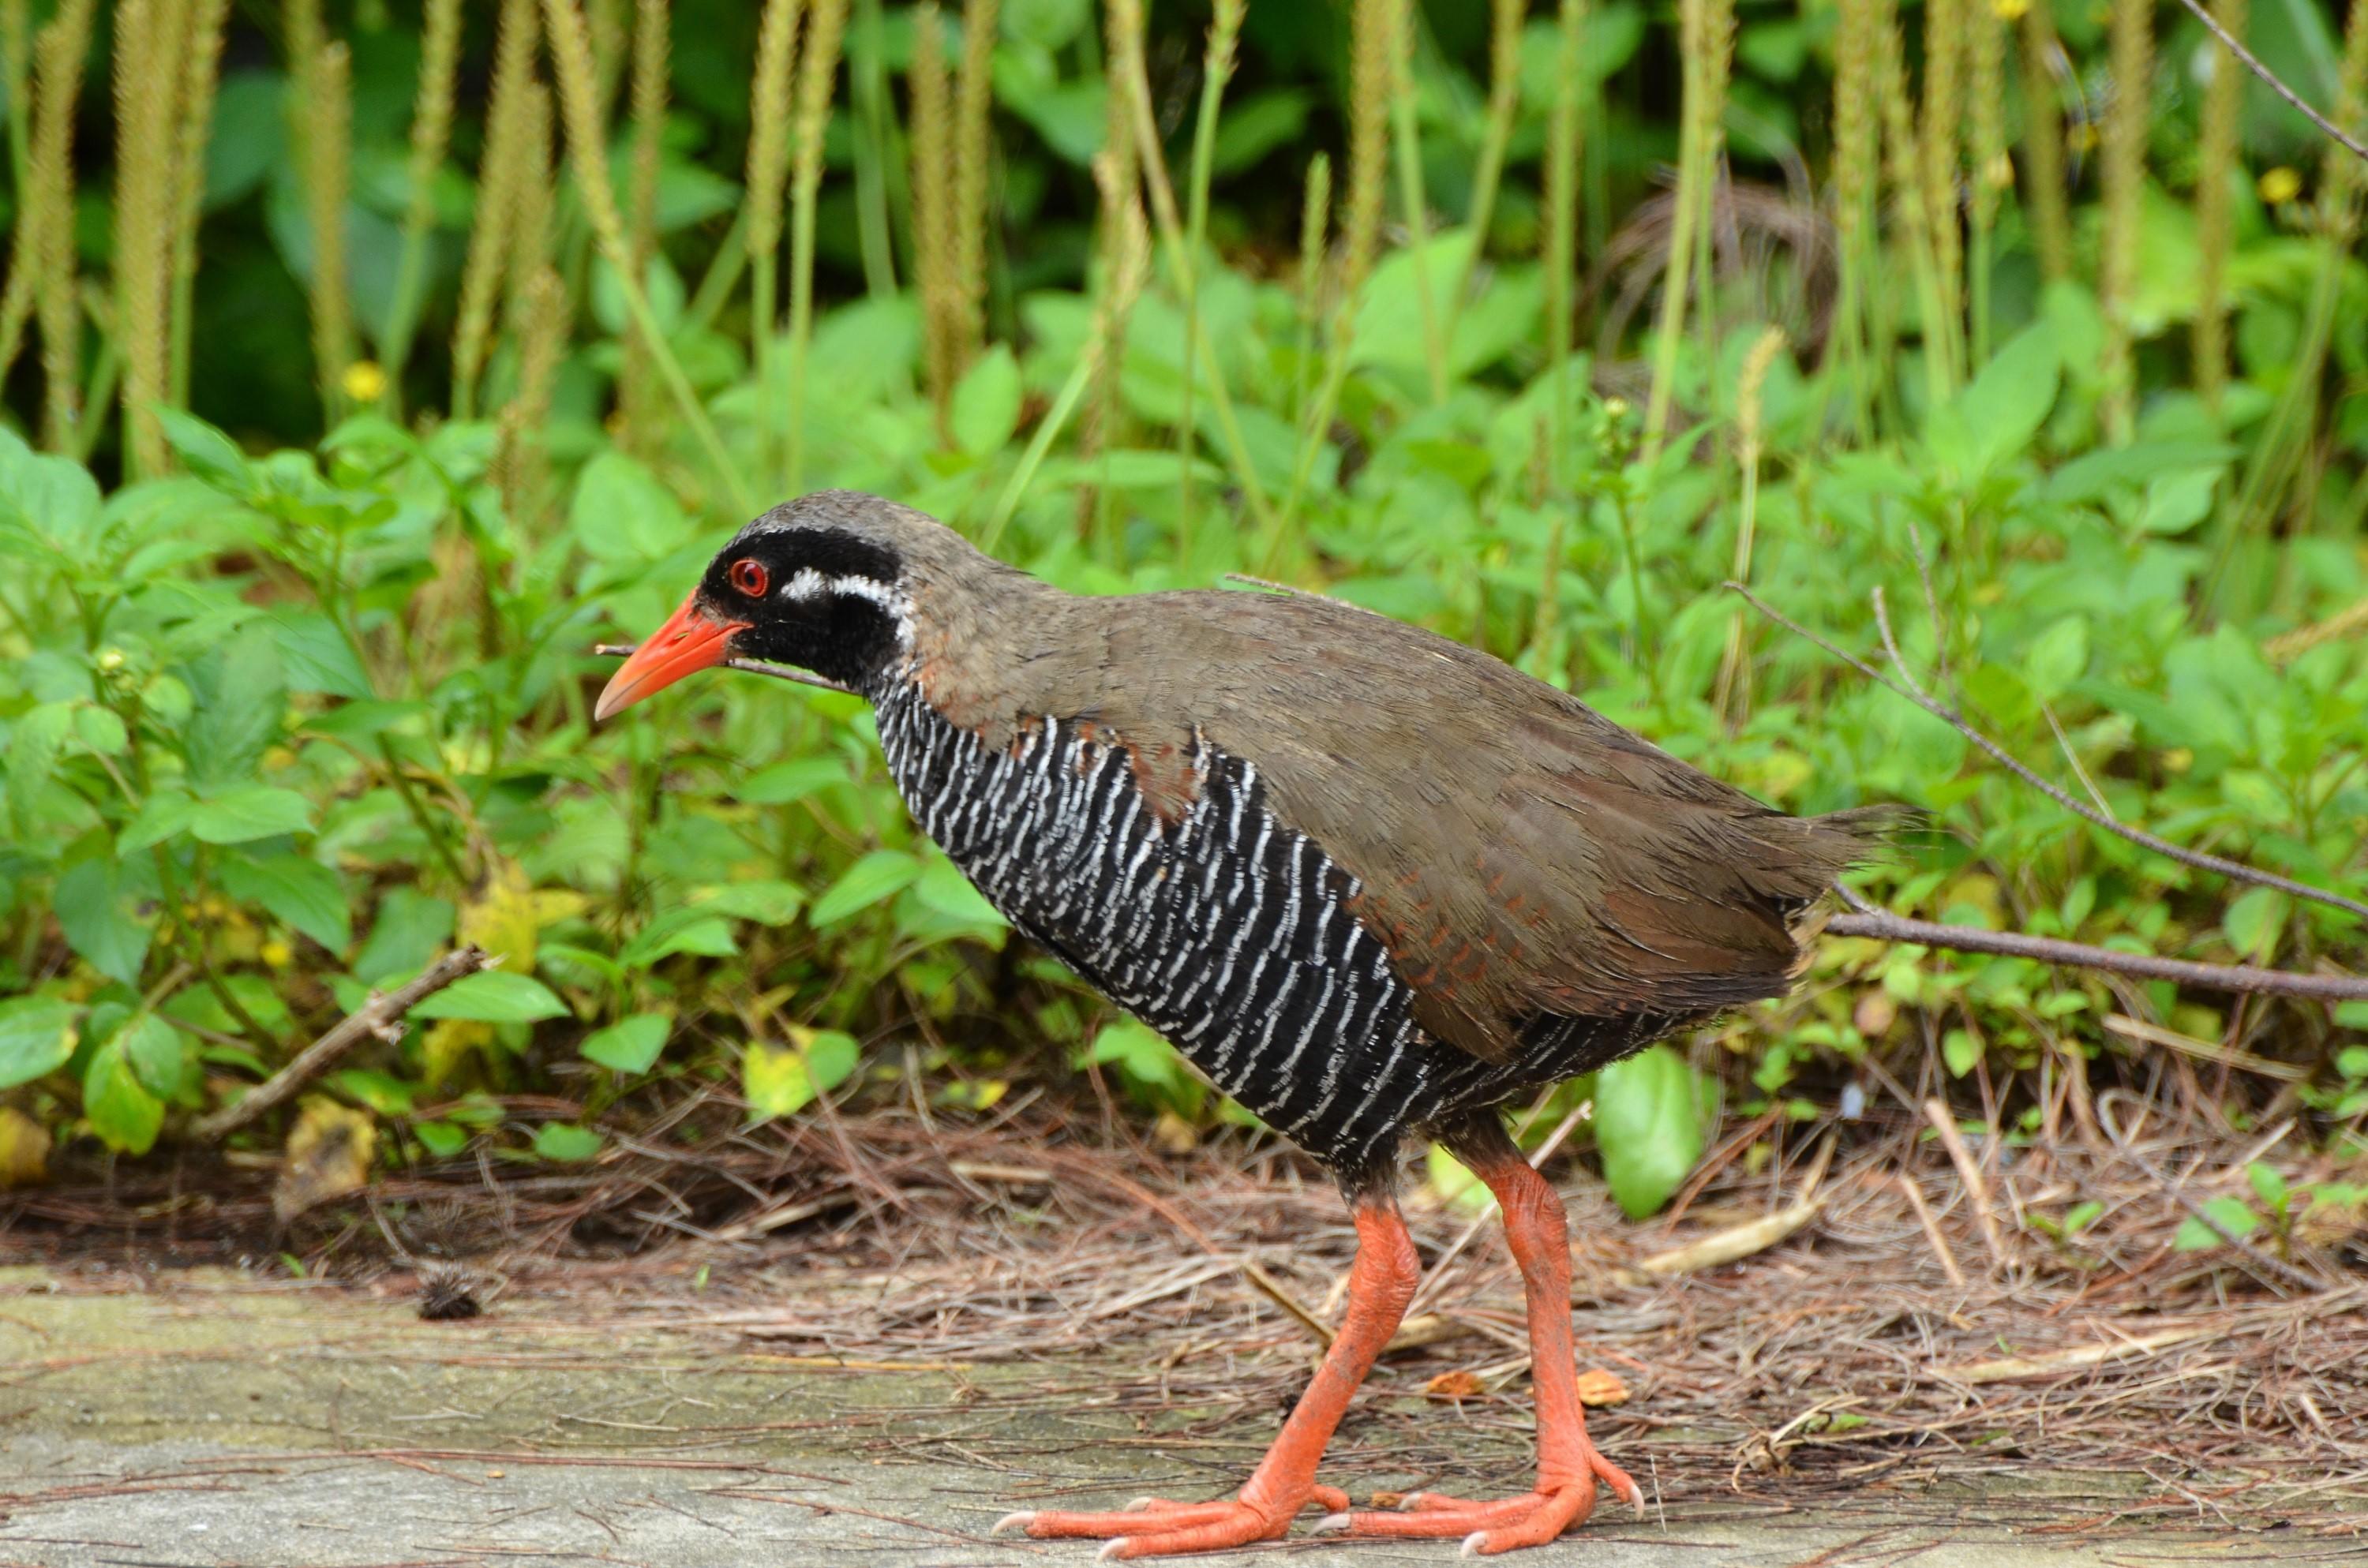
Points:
(2234, 869)
(1885, 927)
(754, 666)
(373, 1016)
(2263, 72)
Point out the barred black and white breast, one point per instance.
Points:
(1225, 929)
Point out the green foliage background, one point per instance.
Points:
(293, 708)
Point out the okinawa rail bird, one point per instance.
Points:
(1368, 879)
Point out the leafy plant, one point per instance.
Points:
(295, 620)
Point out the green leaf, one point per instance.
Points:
(623, 516)
(2080, 1216)
(158, 1053)
(1961, 1049)
(238, 697)
(1648, 1127)
(301, 892)
(2011, 396)
(411, 928)
(36, 1037)
(1452, 1180)
(566, 1142)
(205, 451)
(679, 930)
(766, 903)
(944, 889)
(34, 741)
(2268, 1184)
(783, 1080)
(164, 814)
(2231, 1214)
(987, 402)
(2058, 657)
(788, 781)
(442, 1139)
(52, 497)
(250, 811)
(2254, 921)
(249, 134)
(631, 1045)
(1141, 1055)
(126, 1116)
(493, 998)
(879, 875)
(382, 1092)
(89, 902)
(317, 657)
(102, 730)
(1257, 125)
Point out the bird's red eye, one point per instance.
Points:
(749, 578)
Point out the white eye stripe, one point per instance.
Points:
(808, 583)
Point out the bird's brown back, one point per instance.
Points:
(1520, 856)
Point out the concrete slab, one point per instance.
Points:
(213, 1423)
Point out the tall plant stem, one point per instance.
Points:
(2216, 167)
(1180, 273)
(202, 78)
(1504, 98)
(2132, 40)
(876, 150)
(1413, 208)
(150, 38)
(1706, 31)
(571, 49)
(973, 146)
(1561, 255)
(1217, 68)
(769, 155)
(431, 132)
(818, 75)
(2051, 222)
(1371, 80)
(492, 230)
(16, 76)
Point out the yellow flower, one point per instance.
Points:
(278, 954)
(2279, 184)
(2010, 10)
(364, 382)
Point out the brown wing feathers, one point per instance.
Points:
(1519, 854)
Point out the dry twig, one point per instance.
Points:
(753, 667)
(2270, 77)
(375, 1017)
(1977, 1191)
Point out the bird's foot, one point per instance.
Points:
(1535, 1518)
(1155, 1527)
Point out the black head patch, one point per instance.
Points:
(821, 599)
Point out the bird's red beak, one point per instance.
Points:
(690, 640)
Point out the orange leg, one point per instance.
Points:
(1379, 1285)
(1568, 1465)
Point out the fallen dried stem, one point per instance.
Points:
(374, 1018)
